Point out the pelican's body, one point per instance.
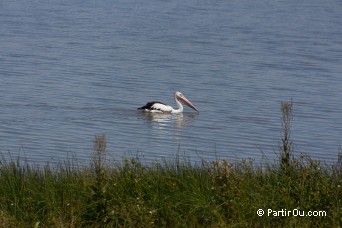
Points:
(156, 106)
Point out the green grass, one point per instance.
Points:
(172, 194)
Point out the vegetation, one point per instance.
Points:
(172, 193)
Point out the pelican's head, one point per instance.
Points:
(179, 96)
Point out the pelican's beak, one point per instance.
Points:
(187, 102)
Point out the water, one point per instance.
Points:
(70, 70)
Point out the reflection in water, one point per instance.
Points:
(165, 128)
(164, 120)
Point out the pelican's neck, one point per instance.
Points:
(179, 105)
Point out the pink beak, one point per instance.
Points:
(188, 103)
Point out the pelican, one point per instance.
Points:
(156, 106)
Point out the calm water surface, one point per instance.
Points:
(70, 70)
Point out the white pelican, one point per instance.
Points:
(156, 106)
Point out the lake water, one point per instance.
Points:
(70, 70)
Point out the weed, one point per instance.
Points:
(286, 146)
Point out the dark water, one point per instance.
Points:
(70, 70)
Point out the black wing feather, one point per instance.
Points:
(150, 104)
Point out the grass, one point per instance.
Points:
(169, 194)
(174, 193)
